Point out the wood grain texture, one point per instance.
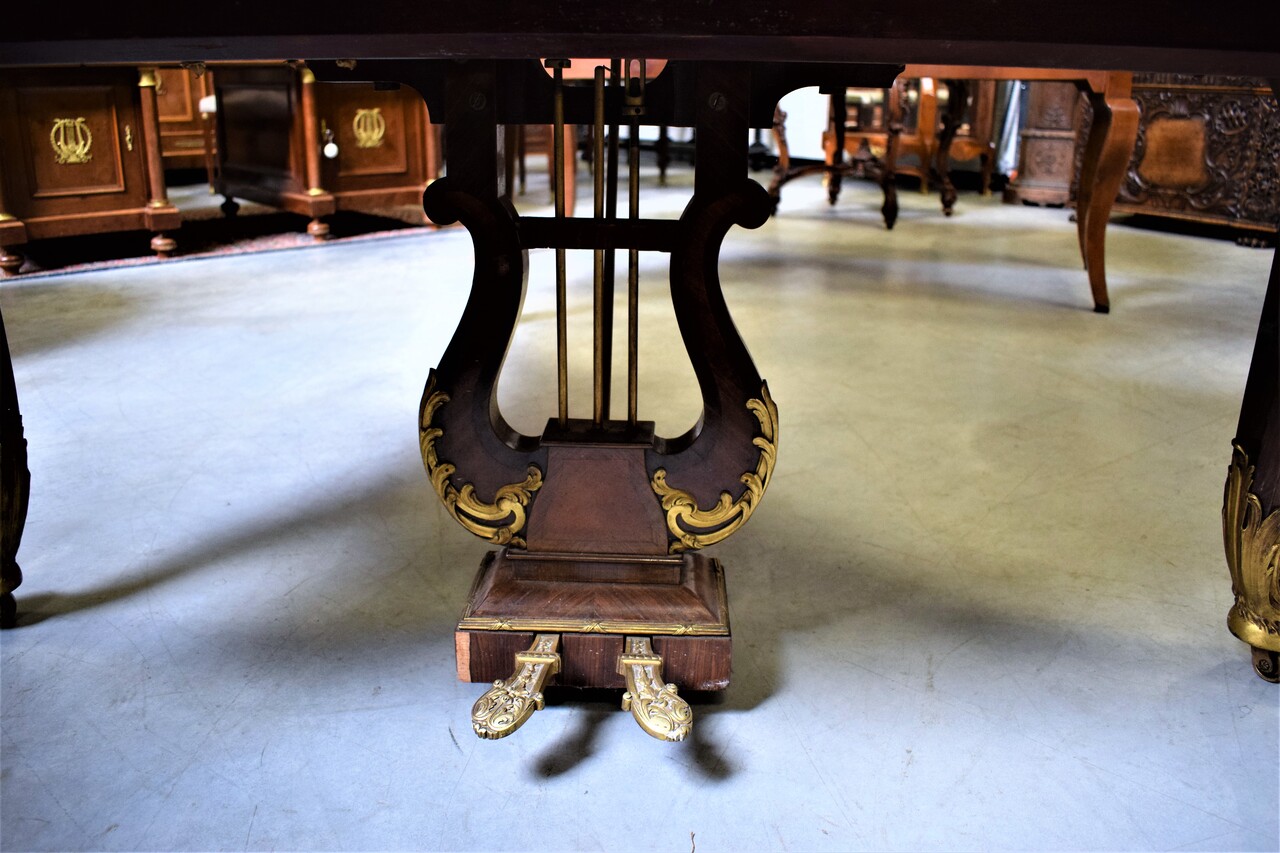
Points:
(591, 660)
(506, 590)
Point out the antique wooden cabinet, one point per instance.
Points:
(314, 148)
(186, 134)
(1046, 157)
(1207, 151)
(79, 154)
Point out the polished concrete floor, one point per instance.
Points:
(981, 607)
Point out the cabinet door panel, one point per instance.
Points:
(72, 140)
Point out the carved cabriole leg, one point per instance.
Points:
(957, 98)
(893, 141)
(1106, 156)
(1251, 505)
(15, 485)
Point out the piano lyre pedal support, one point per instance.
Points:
(598, 521)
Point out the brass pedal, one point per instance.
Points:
(654, 704)
(508, 704)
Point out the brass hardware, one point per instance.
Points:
(600, 405)
(1253, 556)
(7, 217)
(508, 704)
(369, 127)
(71, 140)
(315, 191)
(696, 528)
(562, 307)
(307, 76)
(328, 147)
(656, 706)
(634, 108)
(500, 521)
(602, 626)
(147, 79)
(128, 137)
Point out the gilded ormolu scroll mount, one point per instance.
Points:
(1253, 556)
(655, 705)
(500, 521)
(508, 704)
(693, 527)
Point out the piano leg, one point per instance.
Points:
(15, 483)
(1251, 504)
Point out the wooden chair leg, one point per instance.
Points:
(1107, 151)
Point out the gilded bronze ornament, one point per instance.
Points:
(508, 704)
(369, 127)
(500, 521)
(1253, 556)
(71, 140)
(693, 527)
(655, 705)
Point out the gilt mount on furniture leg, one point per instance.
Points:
(1251, 503)
(598, 580)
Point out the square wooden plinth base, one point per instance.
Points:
(593, 605)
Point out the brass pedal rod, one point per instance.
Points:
(610, 256)
(507, 705)
(655, 705)
(600, 407)
(562, 307)
(634, 108)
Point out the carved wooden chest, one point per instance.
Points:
(1207, 150)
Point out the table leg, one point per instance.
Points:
(1106, 156)
(15, 485)
(1251, 503)
(889, 168)
(957, 98)
(783, 166)
(836, 119)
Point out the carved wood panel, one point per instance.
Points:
(1046, 160)
(1207, 151)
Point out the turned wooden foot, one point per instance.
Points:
(10, 261)
(163, 245)
(230, 207)
(318, 228)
